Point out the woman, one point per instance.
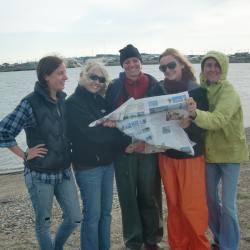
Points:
(225, 145)
(137, 175)
(47, 160)
(183, 175)
(93, 153)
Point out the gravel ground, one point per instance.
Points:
(17, 223)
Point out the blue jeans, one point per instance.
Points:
(223, 220)
(96, 187)
(42, 195)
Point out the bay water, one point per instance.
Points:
(15, 85)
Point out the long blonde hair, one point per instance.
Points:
(188, 68)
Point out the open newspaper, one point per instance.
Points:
(155, 121)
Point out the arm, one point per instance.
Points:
(227, 105)
(18, 151)
(80, 115)
(12, 125)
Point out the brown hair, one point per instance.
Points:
(46, 66)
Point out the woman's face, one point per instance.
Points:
(56, 80)
(171, 68)
(211, 70)
(95, 80)
(132, 67)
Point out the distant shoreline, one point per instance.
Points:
(113, 60)
(34, 68)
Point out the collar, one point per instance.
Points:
(42, 90)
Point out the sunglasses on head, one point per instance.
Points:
(101, 79)
(171, 65)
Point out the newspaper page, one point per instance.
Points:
(154, 120)
(157, 131)
(116, 115)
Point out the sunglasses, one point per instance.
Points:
(171, 65)
(101, 79)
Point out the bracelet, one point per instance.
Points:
(25, 155)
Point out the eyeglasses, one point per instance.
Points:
(171, 65)
(101, 79)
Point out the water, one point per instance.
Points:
(15, 85)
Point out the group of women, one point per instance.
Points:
(58, 135)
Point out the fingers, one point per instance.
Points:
(184, 123)
(37, 151)
(109, 123)
(129, 149)
(139, 147)
(191, 104)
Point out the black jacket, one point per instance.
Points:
(91, 146)
(195, 133)
(116, 89)
(50, 130)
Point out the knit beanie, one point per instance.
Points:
(128, 52)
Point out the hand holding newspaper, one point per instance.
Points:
(154, 120)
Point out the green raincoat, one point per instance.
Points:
(225, 140)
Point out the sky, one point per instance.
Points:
(31, 29)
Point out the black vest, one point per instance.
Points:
(50, 130)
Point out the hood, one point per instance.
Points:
(223, 61)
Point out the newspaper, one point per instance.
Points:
(155, 121)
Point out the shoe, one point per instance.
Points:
(214, 246)
(152, 247)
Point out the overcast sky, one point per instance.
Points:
(30, 29)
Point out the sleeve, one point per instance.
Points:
(200, 96)
(227, 105)
(12, 124)
(79, 117)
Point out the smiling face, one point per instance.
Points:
(211, 70)
(56, 80)
(95, 80)
(173, 68)
(132, 67)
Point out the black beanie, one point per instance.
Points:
(128, 52)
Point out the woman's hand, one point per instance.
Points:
(185, 122)
(129, 149)
(191, 106)
(37, 151)
(137, 147)
(109, 124)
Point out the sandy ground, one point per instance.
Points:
(17, 223)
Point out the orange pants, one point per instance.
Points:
(184, 184)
